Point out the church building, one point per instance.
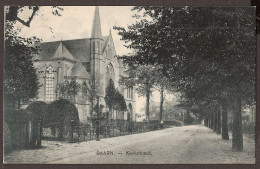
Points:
(79, 60)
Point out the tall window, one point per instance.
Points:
(110, 74)
(129, 93)
(49, 94)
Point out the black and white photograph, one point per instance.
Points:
(129, 84)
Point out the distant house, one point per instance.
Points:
(78, 60)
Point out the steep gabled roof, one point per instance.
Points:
(79, 71)
(48, 50)
(54, 50)
(75, 50)
(62, 52)
(79, 48)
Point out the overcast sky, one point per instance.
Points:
(76, 23)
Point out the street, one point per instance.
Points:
(176, 145)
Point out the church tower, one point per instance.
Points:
(96, 42)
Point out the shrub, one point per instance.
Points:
(60, 114)
(153, 124)
(15, 129)
(38, 111)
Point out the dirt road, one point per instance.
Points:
(187, 144)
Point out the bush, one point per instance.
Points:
(153, 124)
(60, 113)
(38, 111)
(173, 122)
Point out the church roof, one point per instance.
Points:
(74, 50)
(62, 52)
(79, 48)
(96, 26)
(79, 71)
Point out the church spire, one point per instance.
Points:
(96, 27)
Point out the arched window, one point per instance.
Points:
(110, 72)
(49, 88)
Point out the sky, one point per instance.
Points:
(76, 23)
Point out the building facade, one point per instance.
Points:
(79, 60)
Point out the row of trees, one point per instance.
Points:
(207, 54)
(146, 79)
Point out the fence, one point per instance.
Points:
(22, 135)
(79, 133)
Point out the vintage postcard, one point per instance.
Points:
(129, 85)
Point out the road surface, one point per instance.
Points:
(177, 145)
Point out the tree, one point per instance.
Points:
(20, 79)
(93, 89)
(143, 79)
(13, 12)
(110, 97)
(120, 104)
(196, 47)
(60, 113)
(68, 90)
(164, 86)
(38, 109)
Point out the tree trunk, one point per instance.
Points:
(237, 133)
(225, 135)
(218, 122)
(215, 122)
(206, 121)
(147, 103)
(19, 103)
(211, 120)
(161, 103)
